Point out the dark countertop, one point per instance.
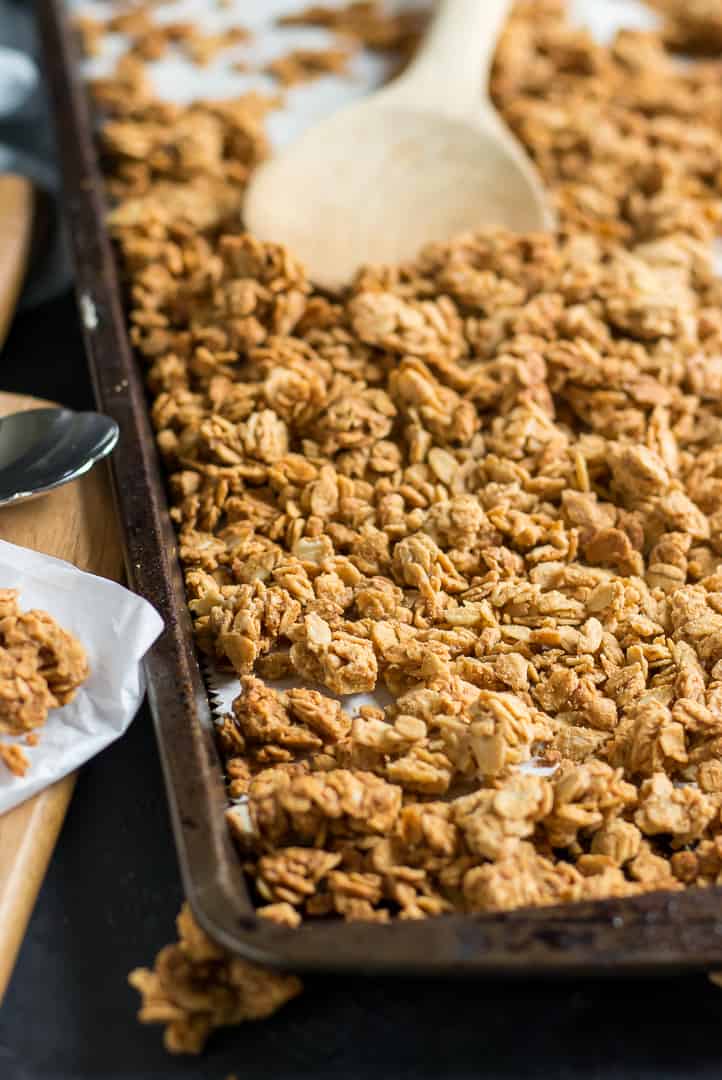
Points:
(113, 891)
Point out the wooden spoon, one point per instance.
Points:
(424, 158)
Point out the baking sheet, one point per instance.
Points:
(657, 933)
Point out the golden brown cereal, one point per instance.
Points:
(483, 485)
(41, 667)
(368, 21)
(90, 32)
(305, 65)
(693, 27)
(421, 488)
(196, 987)
(14, 758)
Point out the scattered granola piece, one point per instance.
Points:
(694, 27)
(341, 661)
(367, 22)
(502, 730)
(196, 987)
(203, 48)
(15, 758)
(306, 65)
(493, 822)
(682, 812)
(90, 31)
(283, 914)
(291, 875)
(522, 879)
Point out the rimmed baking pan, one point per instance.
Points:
(656, 932)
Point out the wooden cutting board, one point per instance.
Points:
(76, 522)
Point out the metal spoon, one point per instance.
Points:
(42, 449)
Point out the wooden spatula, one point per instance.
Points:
(421, 160)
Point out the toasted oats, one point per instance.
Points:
(306, 65)
(90, 32)
(619, 840)
(493, 822)
(41, 667)
(485, 482)
(196, 987)
(683, 812)
(203, 48)
(282, 914)
(291, 875)
(520, 879)
(365, 21)
(14, 758)
(694, 27)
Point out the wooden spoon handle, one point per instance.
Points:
(16, 229)
(451, 69)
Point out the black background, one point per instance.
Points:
(112, 893)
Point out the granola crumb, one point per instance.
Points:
(14, 758)
(365, 21)
(196, 987)
(306, 65)
(90, 33)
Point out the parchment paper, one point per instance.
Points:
(116, 628)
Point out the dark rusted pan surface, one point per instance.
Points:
(653, 933)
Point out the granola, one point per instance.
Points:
(483, 486)
(196, 987)
(148, 39)
(41, 667)
(500, 512)
(14, 758)
(305, 65)
(369, 22)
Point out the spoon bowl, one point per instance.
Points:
(41, 449)
(399, 202)
(421, 160)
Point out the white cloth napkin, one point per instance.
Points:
(116, 628)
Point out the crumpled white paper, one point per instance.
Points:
(116, 629)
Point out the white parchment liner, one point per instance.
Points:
(116, 628)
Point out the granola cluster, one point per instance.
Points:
(360, 25)
(150, 39)
(368, 23)
(627, 135)
(41, 667)
(196, 987)
(694, 27)
(305, 65)
(483, 486)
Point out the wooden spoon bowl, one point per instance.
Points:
(421, 160)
